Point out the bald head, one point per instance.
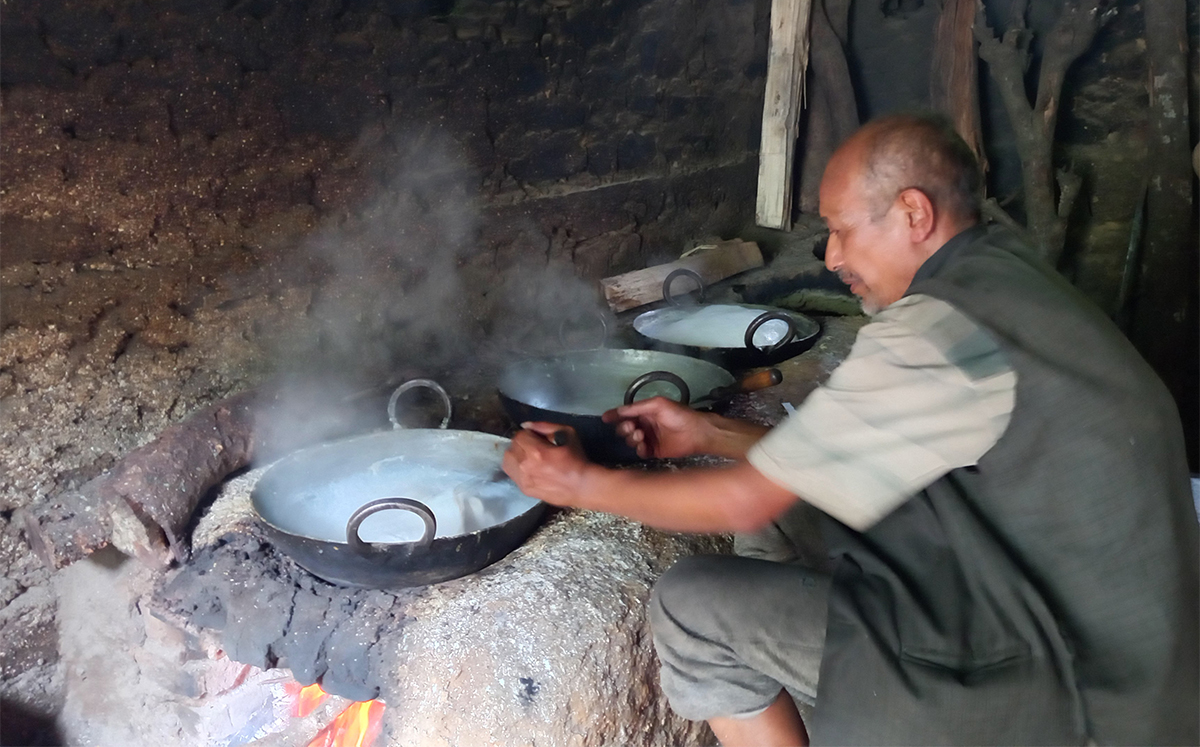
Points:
(893, 194)
(905, 151)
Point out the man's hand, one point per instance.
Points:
(729, 499)
(554, 474)
(660, 428)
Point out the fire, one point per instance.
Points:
(307, 700)
(357, 726)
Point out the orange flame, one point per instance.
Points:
(357, 726)
(306, 698)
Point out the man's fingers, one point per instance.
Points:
(542, 428)
(641, 407)
(559, 435)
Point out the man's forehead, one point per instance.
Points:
(841, 195)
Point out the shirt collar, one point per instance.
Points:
(938, 259)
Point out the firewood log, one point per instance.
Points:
(144, 503)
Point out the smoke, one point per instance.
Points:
(389, 293)
(408, 286)
(545, 308)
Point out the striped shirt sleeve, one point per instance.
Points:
(923, 391)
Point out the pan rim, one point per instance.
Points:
(642, 319)
(259, 493)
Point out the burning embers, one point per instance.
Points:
(357, 726)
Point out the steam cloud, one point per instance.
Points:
(404, 288)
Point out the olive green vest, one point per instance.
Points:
(1047, 595)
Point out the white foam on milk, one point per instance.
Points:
(712, 326)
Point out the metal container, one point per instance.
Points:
(398, 508)
(735, 336)
(575, 389)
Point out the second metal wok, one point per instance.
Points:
(575, 389)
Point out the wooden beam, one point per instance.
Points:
(722, 260)
(954, 78)
(787, 60)
(832, 114)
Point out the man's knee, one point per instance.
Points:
(682, 591)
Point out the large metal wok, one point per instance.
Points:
(736, 336)
(575, 389)
(396, 508)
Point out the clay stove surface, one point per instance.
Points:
(549, 645)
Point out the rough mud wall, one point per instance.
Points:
(188, 188)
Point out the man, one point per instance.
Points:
(1008, 502)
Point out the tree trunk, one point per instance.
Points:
(1047, 207)
(1165, 308)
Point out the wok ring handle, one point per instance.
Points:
(362, 547)
(685, 394)
(599, 316)
(414, 384)
(768, 316)
(681, 272)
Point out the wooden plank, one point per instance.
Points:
(787, 60)
(722, 260)
(953, 80)
(831, 110)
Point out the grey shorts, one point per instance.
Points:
(732, 632)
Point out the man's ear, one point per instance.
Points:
(918, 211)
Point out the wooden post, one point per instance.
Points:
(954, 82)
(787, 60)
(832, 112)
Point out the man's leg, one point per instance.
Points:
(731, 634)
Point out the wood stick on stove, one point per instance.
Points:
(144, 503)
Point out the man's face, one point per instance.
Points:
(869, 252)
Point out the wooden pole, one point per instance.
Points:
(787, 60)
(954, 83)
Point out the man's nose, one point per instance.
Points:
(833, 253)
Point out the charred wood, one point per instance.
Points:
(143, 504)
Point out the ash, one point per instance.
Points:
(268, 612)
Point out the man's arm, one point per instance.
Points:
(728, 499)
